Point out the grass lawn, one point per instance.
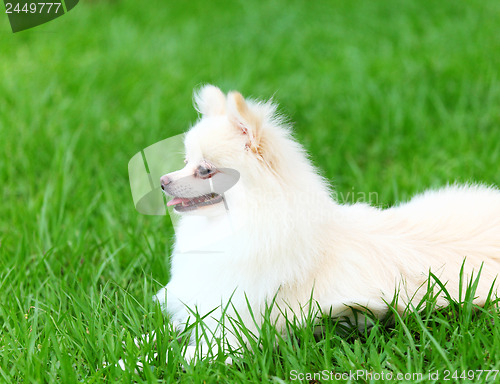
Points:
(390, 97)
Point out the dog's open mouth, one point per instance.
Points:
(182, 204)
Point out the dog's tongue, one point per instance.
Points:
(177, 200)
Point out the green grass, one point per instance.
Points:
(392, 97)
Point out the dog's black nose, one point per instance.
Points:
(164, 181)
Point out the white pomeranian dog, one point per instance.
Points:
(277, 234)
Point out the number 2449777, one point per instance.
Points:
(32, 8)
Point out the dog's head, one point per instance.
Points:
(232, 137)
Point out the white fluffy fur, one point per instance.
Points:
(284, 235)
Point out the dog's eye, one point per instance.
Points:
(204, 171)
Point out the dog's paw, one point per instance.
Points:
(145, 339)
(191, 355)
(139, 366)
(121, 364)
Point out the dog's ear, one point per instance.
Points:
(210, 101)
(243, 118)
